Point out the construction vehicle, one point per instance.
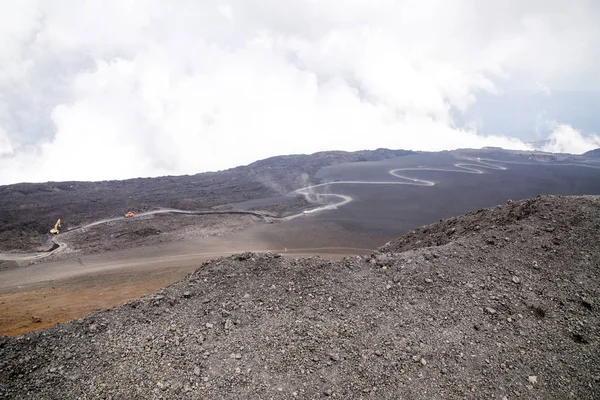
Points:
(55, 230)
(129, 214)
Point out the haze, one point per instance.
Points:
(117, 89)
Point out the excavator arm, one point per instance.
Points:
(55, 230)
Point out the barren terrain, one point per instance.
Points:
(342, 209)
(499, 303)
(27, 211)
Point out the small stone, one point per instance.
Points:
(388, 287)
(423, 362)
(197, 371)
(490, 310)
(187, 294)
(209, 325)
(532, 379)
(586, 303)
(385, 267)
(428, 280)
(247, 296)
(237, 356)
(93, 328)
(334, 357)
(516, 279)
(328, 392)
(36, 319)
(378, 353)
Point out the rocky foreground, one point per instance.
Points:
(502, 303)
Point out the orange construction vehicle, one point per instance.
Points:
(129, 214)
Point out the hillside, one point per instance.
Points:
(592, 153)
(500, 303)
(28, 210)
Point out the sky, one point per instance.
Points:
(96, 90)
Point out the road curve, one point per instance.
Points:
(475, 166)
(467, 168)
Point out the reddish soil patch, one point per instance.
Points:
(36, 309)
(40, 308)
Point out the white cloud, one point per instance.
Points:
(565, 139)
(109, 90)
(5, 145)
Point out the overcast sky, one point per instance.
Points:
(93, 90)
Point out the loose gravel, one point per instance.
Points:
(502, 303)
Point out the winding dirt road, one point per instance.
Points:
(308, 192)
(60, 246)
(475, 166)
(467, 168)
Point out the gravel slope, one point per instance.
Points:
(501, 303)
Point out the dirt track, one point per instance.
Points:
(62, 246)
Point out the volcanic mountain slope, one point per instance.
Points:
(592, 153)
(28, 210)
(501, 303)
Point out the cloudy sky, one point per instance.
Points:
(93, 90)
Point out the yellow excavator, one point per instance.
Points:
(55, 230)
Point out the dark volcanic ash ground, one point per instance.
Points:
(497, 304)
(29, 210)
